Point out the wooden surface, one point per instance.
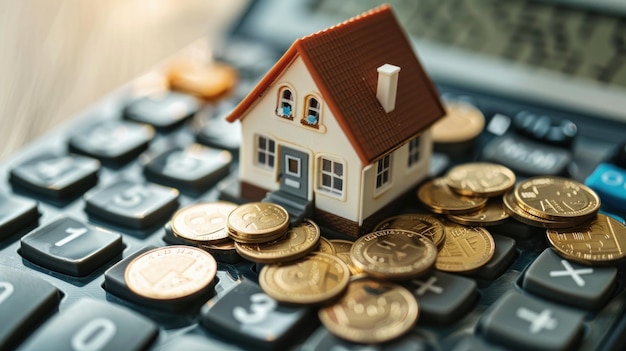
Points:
(59, 56)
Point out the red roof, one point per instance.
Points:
(342, 61)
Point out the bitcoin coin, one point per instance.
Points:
(393, 254)
(480, 179)
(325, 246)
(313, 279)
(257, 222)
(427, 225)
(490, 215)
(342, 250)
(465, 249)
(296, 243)
(601, 241)
(371, 312)
(516, 212)
(170, 272)
(556, 198)
(439, 198)
(202, 222)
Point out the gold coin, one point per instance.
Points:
(427, 225)
(393, 254)
(516, 212)
(601, 241)
(371, 312)
(480, 179)
(462, 122)
(556, 198)
(202, 222)
(316, 278)
(257, 220)
(465, 249)
(439, 198)
(296, 243)
(208, 81)
(342, 250)
(325, 246)
(257, 239)
(490, 215)
(170, 272)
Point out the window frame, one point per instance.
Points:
(307, 103)
(282, 101)
(330, 189)
(269, 152)
(382, 180)
(414, 152)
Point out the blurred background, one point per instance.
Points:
(60, 56)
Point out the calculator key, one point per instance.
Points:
(443, 297)
(619, 156)
(555, 278)
(57, 176)
(27, 299)
(526, 156)
(503, 256)
(248, 316)
(16, 213)
(71, 247)
(195, 343)
(112, 141)
(521, 322)
(323, 340)
(214, 130)
(162, 110)
(194, 168)
(94, 325)
(132, 205)
(472, 343)
(609, 182)
(545, 128)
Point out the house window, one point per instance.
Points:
(383, 172)
(331, 176)
(414, 151)
(265, 152)
(312, 116)
(285, 103)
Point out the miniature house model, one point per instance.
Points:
(339, 127)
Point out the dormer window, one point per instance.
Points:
(312, 112)
(285, 104)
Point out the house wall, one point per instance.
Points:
(328, 141)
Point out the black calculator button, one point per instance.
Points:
(521, 322)
(131, 204)
(443, 297)
(162, 110)
(94, 325)
(112, 141)
(25, 300)
(555, 278)
(194, 168)
(71, 247)
(503, 256)
(619, 156)
(57, 176)
(214, 130)
(16, 213)
(247, 316)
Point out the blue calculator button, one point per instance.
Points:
(609, 181)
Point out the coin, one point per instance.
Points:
(556, 198)
(439, 198)
(393, 254)
(296, 243)
(601, 241)
(462, 122)
(427, 225)
(342, 250)
(480, 179)
(170, 272)
(515, 211)
(208, 81)
(465, 249)
(315, 278)
(202, 222)
(325, 246)
(490, 215)
(371, 312)
(257, 221)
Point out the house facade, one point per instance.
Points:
(343, 130)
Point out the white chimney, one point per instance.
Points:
(387, 86)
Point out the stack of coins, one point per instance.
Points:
(257, 222)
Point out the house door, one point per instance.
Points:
(294, 172)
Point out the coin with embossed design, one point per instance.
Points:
(394, 254)
(313, 279)
(601, 241)
(171, 272)
(465, 249)
(297, 242)
(257, 222)
(490, 215)
(202, 222)
(424, 224)
(516, 212)
(480, 179)
(371, 312)
(439, 198)
(325, 246)
(342, 250)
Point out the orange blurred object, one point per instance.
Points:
(209, 81)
